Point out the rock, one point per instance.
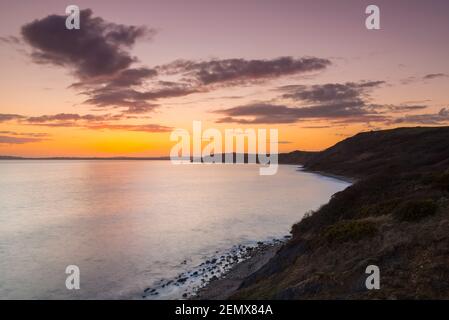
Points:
(182, 280)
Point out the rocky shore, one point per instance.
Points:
(218, 276)
(223, 287)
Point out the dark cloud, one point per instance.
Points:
(8, 117)
(442, 117)
(98, 48)
(269, 114)
(123, 79)
(431, 76)
(136, 101)
(132, 77)
(342, 102)
(349, 91)
(98, 54)
(233, 71)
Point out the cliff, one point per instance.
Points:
(395, 216)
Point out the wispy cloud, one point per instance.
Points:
(439, 118)
(132, 127)
(88, 121)
(9, 40)
(12, 137)
(431, 76)
(26, 134)
(8, 117)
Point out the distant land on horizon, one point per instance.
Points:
(293, 157)
(82, 158)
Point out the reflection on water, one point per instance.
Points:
(127, 224)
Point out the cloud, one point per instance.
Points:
(122, 79)
(431, 76)
(18, 140)
(64, 117)
(9, 40)
(8, 117)
(195, 77)
(415, 79)
(88, 121)
(13, 137)
(270, 114)
(403, 107)
(136, 101)
(316, 127)
(442, 117)
(132, 127)
(98, 54)
(98, 48)
(234, 71)
(26, 134)
(337, 102)
(349, 91)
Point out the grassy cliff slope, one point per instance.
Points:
(395, 216)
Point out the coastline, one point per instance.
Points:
(329, 175)
(223, 287)
(239, 261)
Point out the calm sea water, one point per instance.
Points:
(128, 224)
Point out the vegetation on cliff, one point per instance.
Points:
(396, 216)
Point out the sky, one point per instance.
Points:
(137, 70)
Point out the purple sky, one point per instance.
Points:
(407, 60)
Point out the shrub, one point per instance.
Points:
(415, 210)
(349, 230)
